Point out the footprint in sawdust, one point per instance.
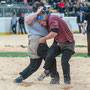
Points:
(8, 45)
(26, 84)
(3, 79)
(67, 87)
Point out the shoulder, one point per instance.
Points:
(53, 17)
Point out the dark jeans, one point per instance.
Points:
(80, 27)
(61, 10)
(14, 28)
(88, 41)
(35, 64)
(22, 27)
(55, 51)
(31, 68)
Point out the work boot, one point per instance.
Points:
(54, 80)
(67, 79)
(18, 79)
(42, 76)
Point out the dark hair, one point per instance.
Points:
(36, 5)
(14, 13)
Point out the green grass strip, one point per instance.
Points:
(78, 55)
(25, 54)
(13, 54)
(80, 46)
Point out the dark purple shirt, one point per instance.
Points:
(64, 34)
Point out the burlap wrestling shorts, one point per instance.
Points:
(33, 45)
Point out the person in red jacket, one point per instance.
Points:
(61, 6)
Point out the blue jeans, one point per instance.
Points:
(14, 28)
(22, 27)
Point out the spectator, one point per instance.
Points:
(14, 23)
(21, 23)
(82, 1)
(72, 1)
(61, 6)
(30, 2)
(25, 2)
(48, 10)
(87, 21)
(81, 8)
(50, 2)
(85, 9)
(80, 20)
(67, 9)
(54, 5)
(73, 10)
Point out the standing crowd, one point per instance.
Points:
(70, 7)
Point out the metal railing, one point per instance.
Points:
(8, 11)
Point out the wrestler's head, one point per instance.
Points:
(36, 5)
(42, 19)
(42, 15)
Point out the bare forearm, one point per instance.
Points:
(50, 35)
(29, 19)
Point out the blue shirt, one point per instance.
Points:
(81, 17)
(14, 20)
